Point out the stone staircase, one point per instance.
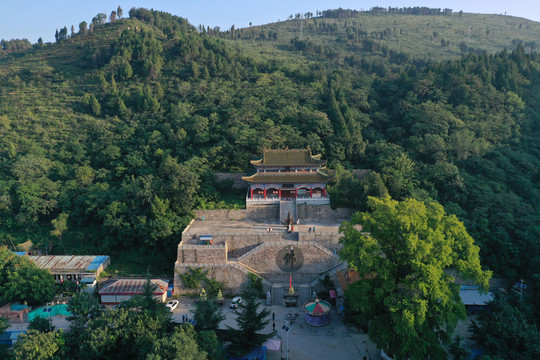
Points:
(284, 207)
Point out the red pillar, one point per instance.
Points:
(310, 192)
(279, 194)
(295, 193)
(264, 193)
(324, 192)
(251, 192)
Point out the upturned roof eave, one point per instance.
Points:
(317, 177)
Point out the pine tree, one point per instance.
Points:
(249, 321)
(208, 315)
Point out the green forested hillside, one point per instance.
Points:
(108, 137)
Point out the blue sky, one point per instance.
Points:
(32, 19)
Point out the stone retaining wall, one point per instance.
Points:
(233, 278)
(323, 212)
(328, 240)
(236, 178)
(253, 213)
(202, 254)
(238, 244)
(263, 259)
(304, 211)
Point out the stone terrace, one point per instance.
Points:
(257, 227)
(243, 235)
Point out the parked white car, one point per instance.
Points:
(234, 302)
(173, 304)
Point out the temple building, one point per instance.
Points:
(288, 175)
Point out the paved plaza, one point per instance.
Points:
(333, 341)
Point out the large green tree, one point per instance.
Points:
(41, 324)
(209, 342)
(250, 322)
(35, 345)
(21, 280)
(208, 315)
(405, 254)
(83, 306)
(115, 334)
(180, 345)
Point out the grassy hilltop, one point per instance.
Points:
(339, 34)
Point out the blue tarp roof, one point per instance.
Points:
(256, 354)
(10, 337)
(49, 311)
(96, 263)
(17, 307)
(20, 253)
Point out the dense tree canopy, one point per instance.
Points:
(404, 254)
(180, 345)
(35, 345)
(507, 330)
(22, 281)
(139, 329)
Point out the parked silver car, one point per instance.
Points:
(234, 302)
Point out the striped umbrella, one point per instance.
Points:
(317, 307)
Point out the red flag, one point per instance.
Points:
(290, 281)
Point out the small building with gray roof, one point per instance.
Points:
(125, 289)
(72, 267)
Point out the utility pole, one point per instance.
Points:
(284, 327)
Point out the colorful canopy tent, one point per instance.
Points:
(317, 312)
(49, 311)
